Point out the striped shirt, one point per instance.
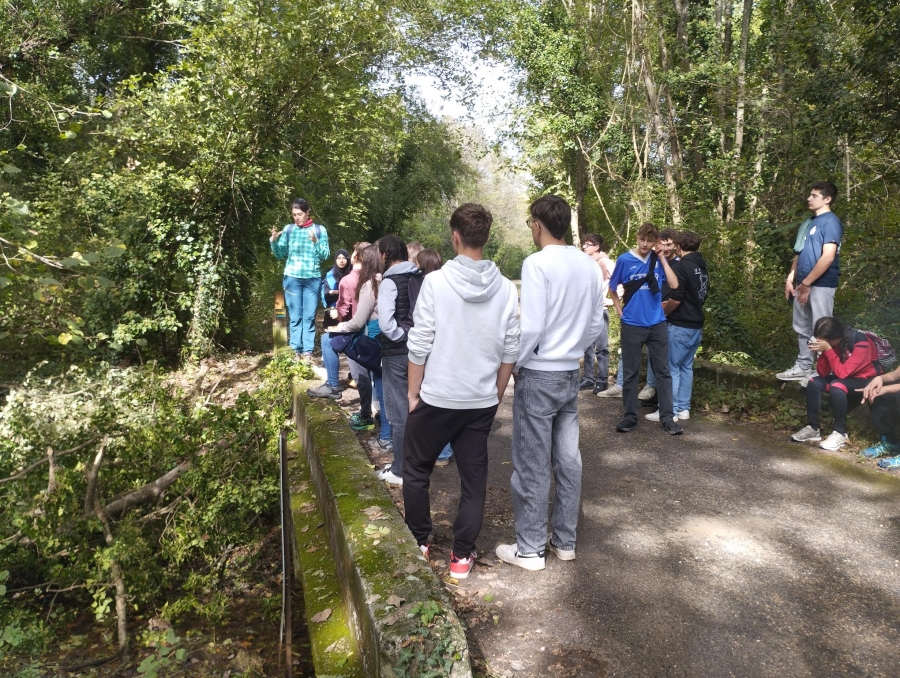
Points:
(304, 257)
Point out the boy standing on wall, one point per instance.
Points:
(641, 273)
(462, 348)
(557, 282)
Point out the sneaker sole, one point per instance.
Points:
(832, 449)
(806, 440)
(332, 396)
(798, 378)
(626, 429)
(442, 462)
(531, 564)
(562, 554)
(609, 395)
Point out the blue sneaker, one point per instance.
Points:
(890, 462)
(882, 449)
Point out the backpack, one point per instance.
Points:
(883, 354)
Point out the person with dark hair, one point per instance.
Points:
(813, 278)
(460, 361)
(396, 303)
(685, 317)
(641, 273)
(846, 364)
(557, 282)
(304, 246)
(596, 357)
(884, 405)
(332, 387)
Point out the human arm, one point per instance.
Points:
(364, 310)
(345, 297)
(323, 251)
(677, 294)
(414, 376)
(829, 251)
(789, 282)
(534, 310)
(387, 306)
(671, 278)
(614, 281)
(878, 386)
(859, 359)
(278, 243)
(420, 340)
(503, 375)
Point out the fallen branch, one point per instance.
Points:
(91, 474)
(146, 493)
(91, 663)
(56, 455)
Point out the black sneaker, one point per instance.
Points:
(586, 385)
(600, 386)
(626, 425)
(672, 428)
(324, 391)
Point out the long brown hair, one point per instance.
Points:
(429, 261)
(370, 271)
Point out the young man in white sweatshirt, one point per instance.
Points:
(562, 314)
(462, 347)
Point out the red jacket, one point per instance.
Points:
(859, 364)
(346, 304)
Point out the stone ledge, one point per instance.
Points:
(375, 559)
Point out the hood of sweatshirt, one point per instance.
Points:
(695, 258)
(402, 267)
(474, 281)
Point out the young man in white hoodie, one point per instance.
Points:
(562, 314)
(462, 348)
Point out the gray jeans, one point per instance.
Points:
(545, 439)
(394, 372)
(599, 352)
(820, 305)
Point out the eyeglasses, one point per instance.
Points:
(589, 244)
(529, 222)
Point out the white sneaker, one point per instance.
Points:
(653, 416)
(508, 553)
(646, 393)
(387, 476)
(794, 374)
(807, 434)
(834, 442)
(562, 554)
(614, 391)
(684, 415)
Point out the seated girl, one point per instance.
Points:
(845, 364)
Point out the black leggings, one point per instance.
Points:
(843, 392)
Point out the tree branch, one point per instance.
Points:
(146, 493)
(56, 455)
(91, 474)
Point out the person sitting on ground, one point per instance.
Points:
(884, 404)
(845, 365)
(641, 272)
(596, 358)
(396, 304)
(429, 261)
(462, 348)
(365, 319)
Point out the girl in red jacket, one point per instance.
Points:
(846, 363)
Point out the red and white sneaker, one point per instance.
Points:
(424, 549)
(460, 567)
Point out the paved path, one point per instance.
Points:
(722, 552)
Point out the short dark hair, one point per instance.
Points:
(393, 248)
(648, 230)
(554, 213)
(594, 239)
(300, 204)
(688, 241)
(473, 223)
(827, 189)
(429, 261)
(668, 234)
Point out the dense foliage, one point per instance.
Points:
(122, 492)
(717, 116)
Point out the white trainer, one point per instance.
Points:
(794, 374)
(653, 416)
(684, 415)
(834, 442)
(508, 553)
(388, 476)
(646, 393)
(614, 391)
(807, 434)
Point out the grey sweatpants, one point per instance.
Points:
(820, 305)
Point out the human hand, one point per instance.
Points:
(872, 389)
(413, 402)
(819, 345)
(801, 294)
(312, 237)
(788, 289)
(333, 313)
(274, 234)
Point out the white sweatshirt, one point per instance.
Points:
(465, 326)
(562, 308)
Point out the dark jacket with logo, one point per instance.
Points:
(693, 288)
(408, 286)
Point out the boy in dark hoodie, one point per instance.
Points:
(684, 314)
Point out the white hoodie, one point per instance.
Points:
(465, 325)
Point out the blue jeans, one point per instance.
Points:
(301, 296)
(446, 453)
(545, 441)
(331, 360)
(683, 344)
(651, 379)
(396, 397)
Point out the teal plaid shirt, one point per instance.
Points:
(304, 257)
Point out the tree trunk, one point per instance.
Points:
(740, 112)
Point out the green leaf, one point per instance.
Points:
(105, 283)
(92, 257)
(72, 262)
(9, 88)
(106, 114)
(47, 282)
(68, 134)
(4, 281)
(38, 296)
(87, 282)
(11, 169)
(64, 338)
(115, 251)
(140, 342)
(180, 654)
